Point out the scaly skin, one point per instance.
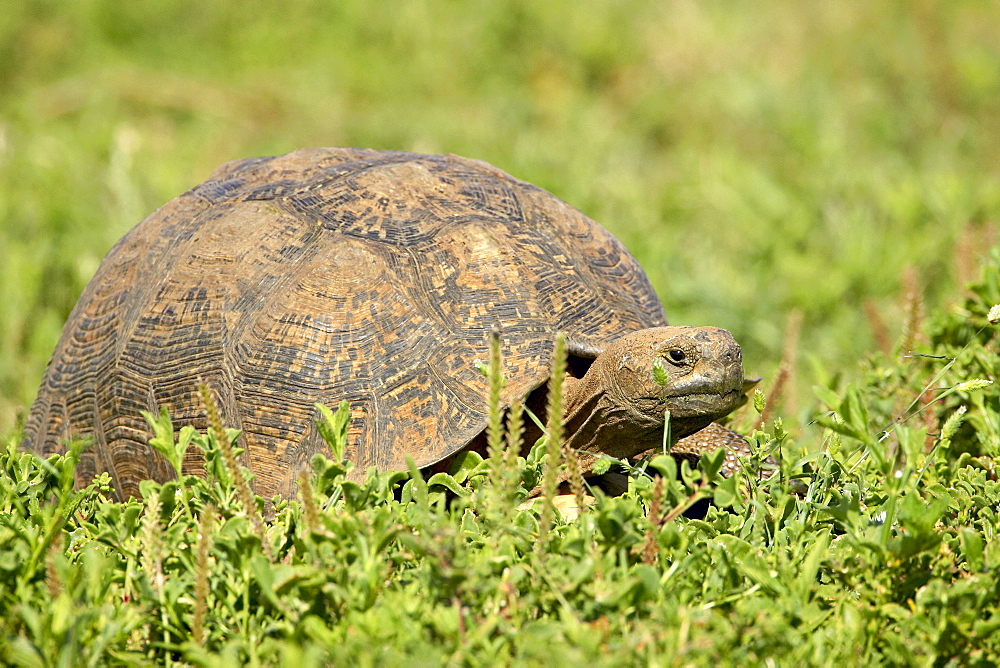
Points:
(618, 408)
(715, 436)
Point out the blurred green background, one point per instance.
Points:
(760, 159)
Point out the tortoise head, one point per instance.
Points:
(619, 406)
(694, 372)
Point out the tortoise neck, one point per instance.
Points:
(596, 422)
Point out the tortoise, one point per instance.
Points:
(374, 277)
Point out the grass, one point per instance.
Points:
(796, 172)
(887, 553)
(757, 162)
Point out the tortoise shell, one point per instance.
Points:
(327, 275)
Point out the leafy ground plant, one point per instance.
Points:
(757, 159)
(885, 550)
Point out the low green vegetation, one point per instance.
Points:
(759, 161)
(880, 546)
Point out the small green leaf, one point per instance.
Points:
(725, 494)
(666, 465)
(806, 578)
(333, 427)
(973, 550)
(855, 413)
(827, 396)
(835, 423)
(465, 464)
(445, 480)
(711, 462)
(162, 439)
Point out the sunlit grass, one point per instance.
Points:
(884, 552)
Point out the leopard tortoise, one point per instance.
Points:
(373, 277)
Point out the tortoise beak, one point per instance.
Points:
(714, 388)
(712, 405)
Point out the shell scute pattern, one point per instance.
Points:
(328, 275)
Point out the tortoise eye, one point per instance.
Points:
(677, 356)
